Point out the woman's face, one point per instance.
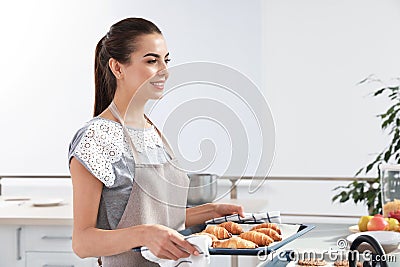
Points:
(144, 77)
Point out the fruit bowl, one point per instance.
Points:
(376, 223)
(389, 240)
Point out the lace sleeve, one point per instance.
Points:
(99, 147)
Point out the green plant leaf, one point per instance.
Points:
(339, 187)
(397, 133)
(380, 91)
(335, 197)
(359, 171)
(364, 80)
(370, 166)
(345, 197)
(371, 196)
(388, 154)
(382, 116)
(388, 121)
(356, 196)
(391, 110)
(379, 157)
(359, 185)
(396, 136)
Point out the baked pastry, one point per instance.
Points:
(257, 237)
(345, 263)
(311, 262)
(270, 232)
(218, 231)
(213, 237)
(232, 227)
(268, 225)
(234, 242)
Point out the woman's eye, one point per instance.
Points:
(153, 61)
(167, 60)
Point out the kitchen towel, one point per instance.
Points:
(200, 242)
(271, 216)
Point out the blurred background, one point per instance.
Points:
(306, 58)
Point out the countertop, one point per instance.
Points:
(323, 238)
(24, 213)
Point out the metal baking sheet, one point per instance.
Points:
(295, 231)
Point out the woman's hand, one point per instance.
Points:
(202, 213)
(222, 209)
(167, 243)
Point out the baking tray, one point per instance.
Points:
(302, 229)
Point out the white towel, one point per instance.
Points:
(271, 216)
(200, 242)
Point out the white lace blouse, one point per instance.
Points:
(101, 147)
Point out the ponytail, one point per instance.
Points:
(103, 79)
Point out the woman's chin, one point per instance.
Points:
(156, 96)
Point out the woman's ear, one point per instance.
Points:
(116, 68)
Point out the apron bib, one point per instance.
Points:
(158, 196)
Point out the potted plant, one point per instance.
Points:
(368, 190)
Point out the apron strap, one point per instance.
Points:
(163, 139)
(115, 112)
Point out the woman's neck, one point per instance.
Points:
(131, 111)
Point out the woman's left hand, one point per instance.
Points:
(202, 213)
(222, 209)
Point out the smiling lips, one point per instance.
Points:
(159, 85)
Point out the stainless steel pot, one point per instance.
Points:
(202, 188)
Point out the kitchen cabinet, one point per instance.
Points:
(45, 238)
(51, 246)
(10, 246)
(39, 246)
(37, 236)
(59, 259)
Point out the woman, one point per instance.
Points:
(113, 212)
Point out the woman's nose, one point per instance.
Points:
(163, 72)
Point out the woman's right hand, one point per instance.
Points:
(167, 243)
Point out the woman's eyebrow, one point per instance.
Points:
(155, 55)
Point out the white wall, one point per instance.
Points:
(47, 72)
(314, 54)
(306, 55)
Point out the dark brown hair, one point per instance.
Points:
(118, 43)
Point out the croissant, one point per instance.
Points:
(213, 237)
(219, 232)
(268, 225)
(311, 262)
(257, 237)
(270, 232)
(234, 242)
(232, 227)
(345, 263)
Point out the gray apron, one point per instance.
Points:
(159, 194)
